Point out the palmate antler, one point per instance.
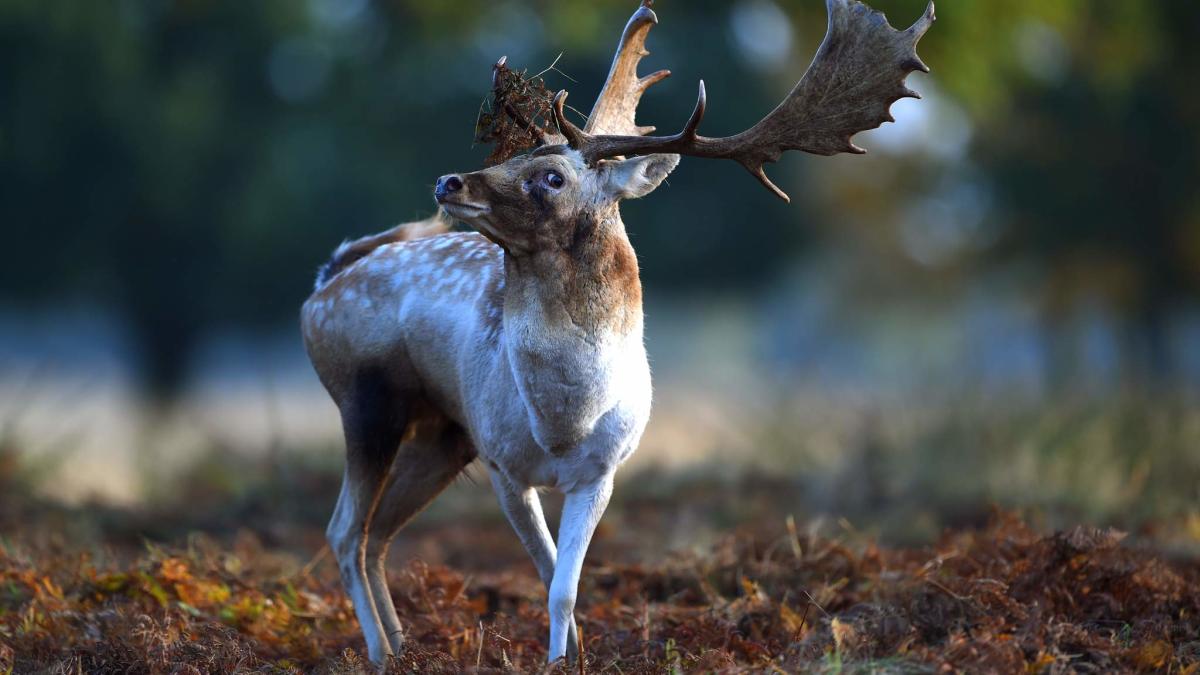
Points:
(858, 73)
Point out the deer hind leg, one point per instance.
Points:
(374, 417)
(523, 509)
(433, 453)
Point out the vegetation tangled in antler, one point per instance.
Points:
(517, 115)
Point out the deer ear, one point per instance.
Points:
(638, 176)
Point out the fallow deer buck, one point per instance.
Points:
(521, 344)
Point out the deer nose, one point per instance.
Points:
(447, 185)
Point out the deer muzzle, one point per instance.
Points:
(446, 186)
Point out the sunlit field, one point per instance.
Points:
(903, 538)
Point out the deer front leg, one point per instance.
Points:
(523, 509)
(581, 513)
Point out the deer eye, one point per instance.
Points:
(554, 180)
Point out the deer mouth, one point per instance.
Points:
(464, 210)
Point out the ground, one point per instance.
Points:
(245, 585)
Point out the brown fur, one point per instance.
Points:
(595, 275)
(571, 242)
(352, 251)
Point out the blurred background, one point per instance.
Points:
(1000, 304)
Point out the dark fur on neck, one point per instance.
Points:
(591, 281)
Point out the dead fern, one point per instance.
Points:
(517, 116)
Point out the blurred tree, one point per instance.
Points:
(1095, 165)
(189, 163)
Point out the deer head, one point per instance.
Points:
(542, 200)
(550, 196)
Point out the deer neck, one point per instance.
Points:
(573, 330)
(587, 288)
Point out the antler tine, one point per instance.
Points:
(761, 174)
(689, 131)
(616, 106)
(921, 26)
(918, 30)
(575, 136)
(859, 71)
(496, 71)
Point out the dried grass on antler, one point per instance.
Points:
(518, 115)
